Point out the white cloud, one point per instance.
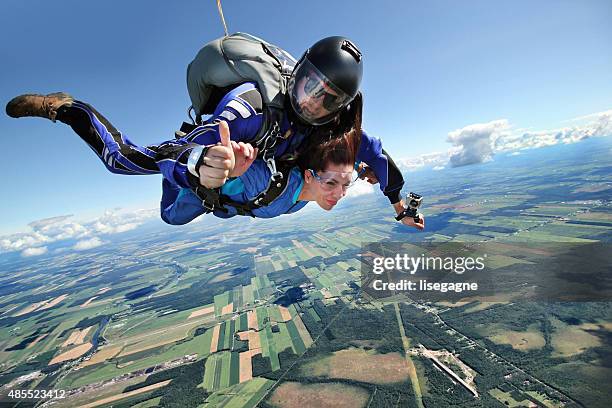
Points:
(359, 188)
(596, 116)
(435, 159)
(598, 124)
(34, 251)
(63, 227)
(481, 141)
(474, 143)
(88, 244)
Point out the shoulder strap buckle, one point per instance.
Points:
(210, 199)
(276, 175)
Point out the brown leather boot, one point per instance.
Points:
(43, 106)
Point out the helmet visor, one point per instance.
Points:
(315, 98)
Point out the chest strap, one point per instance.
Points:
(213, 199)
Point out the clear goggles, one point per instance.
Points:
(330, 180)
(314, 97)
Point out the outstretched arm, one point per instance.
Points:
(382, 169)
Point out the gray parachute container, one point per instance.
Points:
(232, 60)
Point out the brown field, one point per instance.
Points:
(519, 340)
(88, 301)
(39, 338)
(202, 312)
(243, 336)
(332, 395)
(29, 309)
(222, 277)
(77, 337)
(81, 337)
(360, 365)
(571, 340)
(227, 309)
(299, 324)
(54, 302)
(71, 354)
(246, 367)
(127, 394)
(102, 355)
(286, 315)
(215, 339)
(252, 318)
(254, 341)
(70, 339)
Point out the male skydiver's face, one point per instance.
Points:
(330, 185)
(314, 96)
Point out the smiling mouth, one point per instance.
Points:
(330, 202)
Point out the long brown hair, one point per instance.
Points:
(337, 142)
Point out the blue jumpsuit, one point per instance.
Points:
(241, 108)
(181, 205)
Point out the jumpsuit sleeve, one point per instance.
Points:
(244, 121)
(389, 176)
(179, 205)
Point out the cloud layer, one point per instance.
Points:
(479, 142)
(474, 143)
(49, 230)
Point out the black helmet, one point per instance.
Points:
(325, 79)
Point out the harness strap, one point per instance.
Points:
(212, 199)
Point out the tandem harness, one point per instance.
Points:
(213, 199)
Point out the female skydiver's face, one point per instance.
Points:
(329, 186)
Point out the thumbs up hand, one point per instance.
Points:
(219, 160)
(226, 159)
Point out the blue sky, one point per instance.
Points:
(431, 68)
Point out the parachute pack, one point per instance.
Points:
(223, 64)
(227, 62)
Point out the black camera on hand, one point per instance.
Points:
(413, 202)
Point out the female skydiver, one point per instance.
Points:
(323, 99)
(323, 175)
